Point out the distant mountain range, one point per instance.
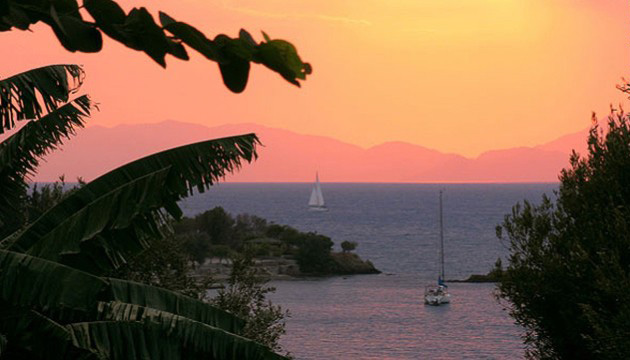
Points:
(291, 157)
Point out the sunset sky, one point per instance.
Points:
(459, 76)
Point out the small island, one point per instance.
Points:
(279, 251)
(492, 276)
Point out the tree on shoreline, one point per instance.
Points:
(348, 246)
(246, 296)
(569, 267)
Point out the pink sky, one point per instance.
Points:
(458, 76)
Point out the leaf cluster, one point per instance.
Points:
(41, 94)
(138, 30)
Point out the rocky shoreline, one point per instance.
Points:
(286, 268)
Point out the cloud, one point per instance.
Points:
(319, 17)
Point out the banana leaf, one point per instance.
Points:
(21, 152)
(157, 335)
(113, 210)
(66, 294)
(32, 335)
(31, 94)
(168, 301)
(194, 166)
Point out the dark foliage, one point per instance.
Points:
(166, 264)
(347, 246)
(32, 204)
(313, 254)
(246, 297)
(138, 30)
(569, 269)
(216, 233)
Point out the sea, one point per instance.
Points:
(396, 226)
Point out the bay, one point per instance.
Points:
(396, 226)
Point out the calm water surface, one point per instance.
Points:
(396, 227)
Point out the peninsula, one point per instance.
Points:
(280, 251)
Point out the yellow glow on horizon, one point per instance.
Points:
(460, 76)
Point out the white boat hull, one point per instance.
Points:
(318, 208)
(437, 299)
(436, 295)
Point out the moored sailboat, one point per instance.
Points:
(438, 294)
(316, 202)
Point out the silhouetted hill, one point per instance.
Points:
(568, 142)
(288, 156)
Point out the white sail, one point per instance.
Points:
(317, 198)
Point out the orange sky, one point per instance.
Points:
(458, 76)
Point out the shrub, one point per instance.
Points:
(569, 267)
(347, 246)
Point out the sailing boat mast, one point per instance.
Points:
(438, 294)
(441, 241)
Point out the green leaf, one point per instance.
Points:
(30, 334)
(109, 17)
(282, 57)
(234, 65)
(38, 283)
(33, 93)
(75, 34)
(190, 36)
(168, 301)
(157, 335)
(53, 288)
(13, 16)
(142, 32)
(247, 37)
(235, 74)
(20, 153)
(112, 210)
(176, 49)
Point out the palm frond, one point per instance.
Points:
(68, 294)
(80, 223)
(137, 332)
(168, 301)
(118, 208)
(33, 93)
(21, 152)
(30, 334)
(41, 284)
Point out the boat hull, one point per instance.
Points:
(318, 208)
(436, 295)
(436, 300)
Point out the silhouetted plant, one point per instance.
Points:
(138, 30)
(313, 254)
(246, 296)
(569, 267)
(347, 246)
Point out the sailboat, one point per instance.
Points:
(316, 202)
(438, 294)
